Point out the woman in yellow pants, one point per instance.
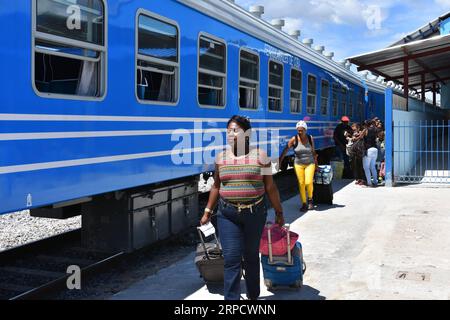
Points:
(305, 163)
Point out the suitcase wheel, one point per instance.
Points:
(268, 283)
(298, 284)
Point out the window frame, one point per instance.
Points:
(322, 97)
(351, 103)
(176, 65)
(102, 60)
(335, 85)
(295, 91)
(258, 86)
(361, 102)
(274, 86)
(213, 73)
(344, 100)
(316, 94)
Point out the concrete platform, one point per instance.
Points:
(372, 244)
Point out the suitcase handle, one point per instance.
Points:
(288, 227)
(204, 245)
(269, 237)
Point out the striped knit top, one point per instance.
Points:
(242, 177)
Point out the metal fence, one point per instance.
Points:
(421, 152)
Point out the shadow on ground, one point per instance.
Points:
(304, 293)
(279, 293)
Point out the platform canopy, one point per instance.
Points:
(418, 65)
(431, 29)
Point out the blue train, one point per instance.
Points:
(98, 96)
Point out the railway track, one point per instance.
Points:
(40, 269)
(33, 270)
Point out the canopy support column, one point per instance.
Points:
(423, 87)
(434, 94)
(406, 81)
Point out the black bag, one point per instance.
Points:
(358, 149)
(209, 260)
(323, 194)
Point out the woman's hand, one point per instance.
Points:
(205, 219)
(279, 219)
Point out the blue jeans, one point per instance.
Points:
(240, 235)
(370, 169)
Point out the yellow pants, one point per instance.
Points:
(305, 177)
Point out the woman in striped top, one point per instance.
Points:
(242, 178)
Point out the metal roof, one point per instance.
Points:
(429, 58)
(429, 30)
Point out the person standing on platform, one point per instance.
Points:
(369, 161)
(341, 142)
(305, 163)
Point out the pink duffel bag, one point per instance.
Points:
(279, 240)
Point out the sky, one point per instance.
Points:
(352, 27)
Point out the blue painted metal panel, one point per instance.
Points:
(48, 180)
(445, 27)
(389, 137)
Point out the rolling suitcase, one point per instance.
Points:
(209, 260)
(286, 270)
(323, 187)
(323, 194)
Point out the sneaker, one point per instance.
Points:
(304, 208)
(310, 204)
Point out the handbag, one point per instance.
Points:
(279, 240)
(358, 149)
(348, 148)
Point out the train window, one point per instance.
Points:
(212, 72)
(69, 48)
(351, 102)
(325, 92)
(275, 86)
(248, 80)
(344, 101)
(312, 95)
(296, 91)
(361, 104)
(335, 100)
(157, 65)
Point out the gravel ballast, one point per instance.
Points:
(20, 228)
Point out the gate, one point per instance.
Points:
(421, 152)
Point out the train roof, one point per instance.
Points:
(232, 14)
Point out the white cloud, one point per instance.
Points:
(350, 27)
(293, 24)
(321, 12)
(444, 4)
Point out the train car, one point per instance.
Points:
(114, 108)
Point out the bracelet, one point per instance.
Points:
(207, 210)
